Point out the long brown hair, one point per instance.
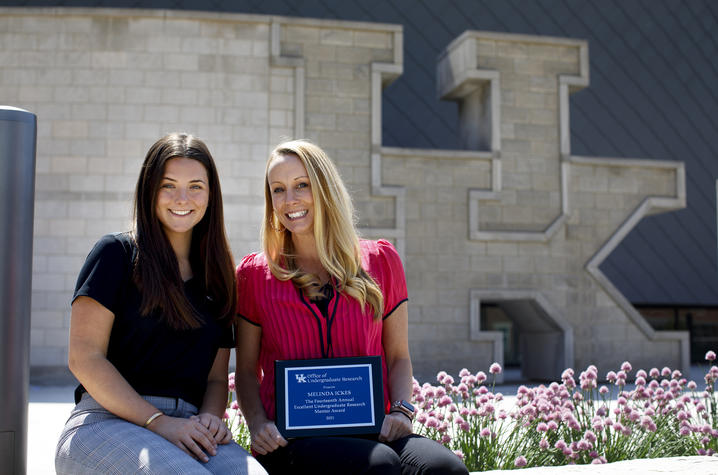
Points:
(335, 231)
(156, 270)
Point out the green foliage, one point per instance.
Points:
(561, 423)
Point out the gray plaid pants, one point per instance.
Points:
(96, 441)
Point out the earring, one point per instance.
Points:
(273, 223)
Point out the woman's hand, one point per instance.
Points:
(396, 425)
(216, 427)
(190, 435)
(266, 438)
(265, 435)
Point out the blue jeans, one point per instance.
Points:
(96, 441)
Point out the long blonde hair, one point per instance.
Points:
(334, 231)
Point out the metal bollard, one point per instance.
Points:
(18, 133)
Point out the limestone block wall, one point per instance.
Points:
(514, 219)
(517, 221)
(105, 84)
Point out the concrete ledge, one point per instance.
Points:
(51, 376)
(693, 465)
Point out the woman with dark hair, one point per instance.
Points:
(151, 328)
(318, 291)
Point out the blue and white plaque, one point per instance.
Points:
(331, 396)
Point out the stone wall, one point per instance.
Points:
(514, 219)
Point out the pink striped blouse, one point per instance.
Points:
(294, 328)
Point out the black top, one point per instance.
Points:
(154, 358)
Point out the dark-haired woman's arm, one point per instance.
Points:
(265, 435)
(90, 327)
(214, 402)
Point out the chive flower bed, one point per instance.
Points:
(565, 422)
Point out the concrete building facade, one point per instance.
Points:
(514, 220)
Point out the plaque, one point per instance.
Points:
(330, 396)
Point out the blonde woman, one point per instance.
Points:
(318, 291)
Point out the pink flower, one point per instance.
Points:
(485, 432)
(641, 374)
(520, 461)
(495, 368)
(590, 436)
(626, 366)
(542, 427)
(666, 371)
(444, 401)
(421, 418)
(464, 372)
(480, 377)
(710, 356)
(560, 444)
(459, 454)
(685, 431)
(226, 415)
(597, 424)
(543, 444)
(440, 376)
(432, 423)
(445, 439)
(603, 390)
(234, 405)
(552, 425)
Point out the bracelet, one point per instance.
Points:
(398, 411)
(153, 417)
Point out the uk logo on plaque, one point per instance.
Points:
(335, 396)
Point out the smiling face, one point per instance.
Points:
(182, 197)
(291, 193)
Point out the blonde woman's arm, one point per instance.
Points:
(395, 340)
(265, 435)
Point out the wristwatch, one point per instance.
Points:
(404, 407)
